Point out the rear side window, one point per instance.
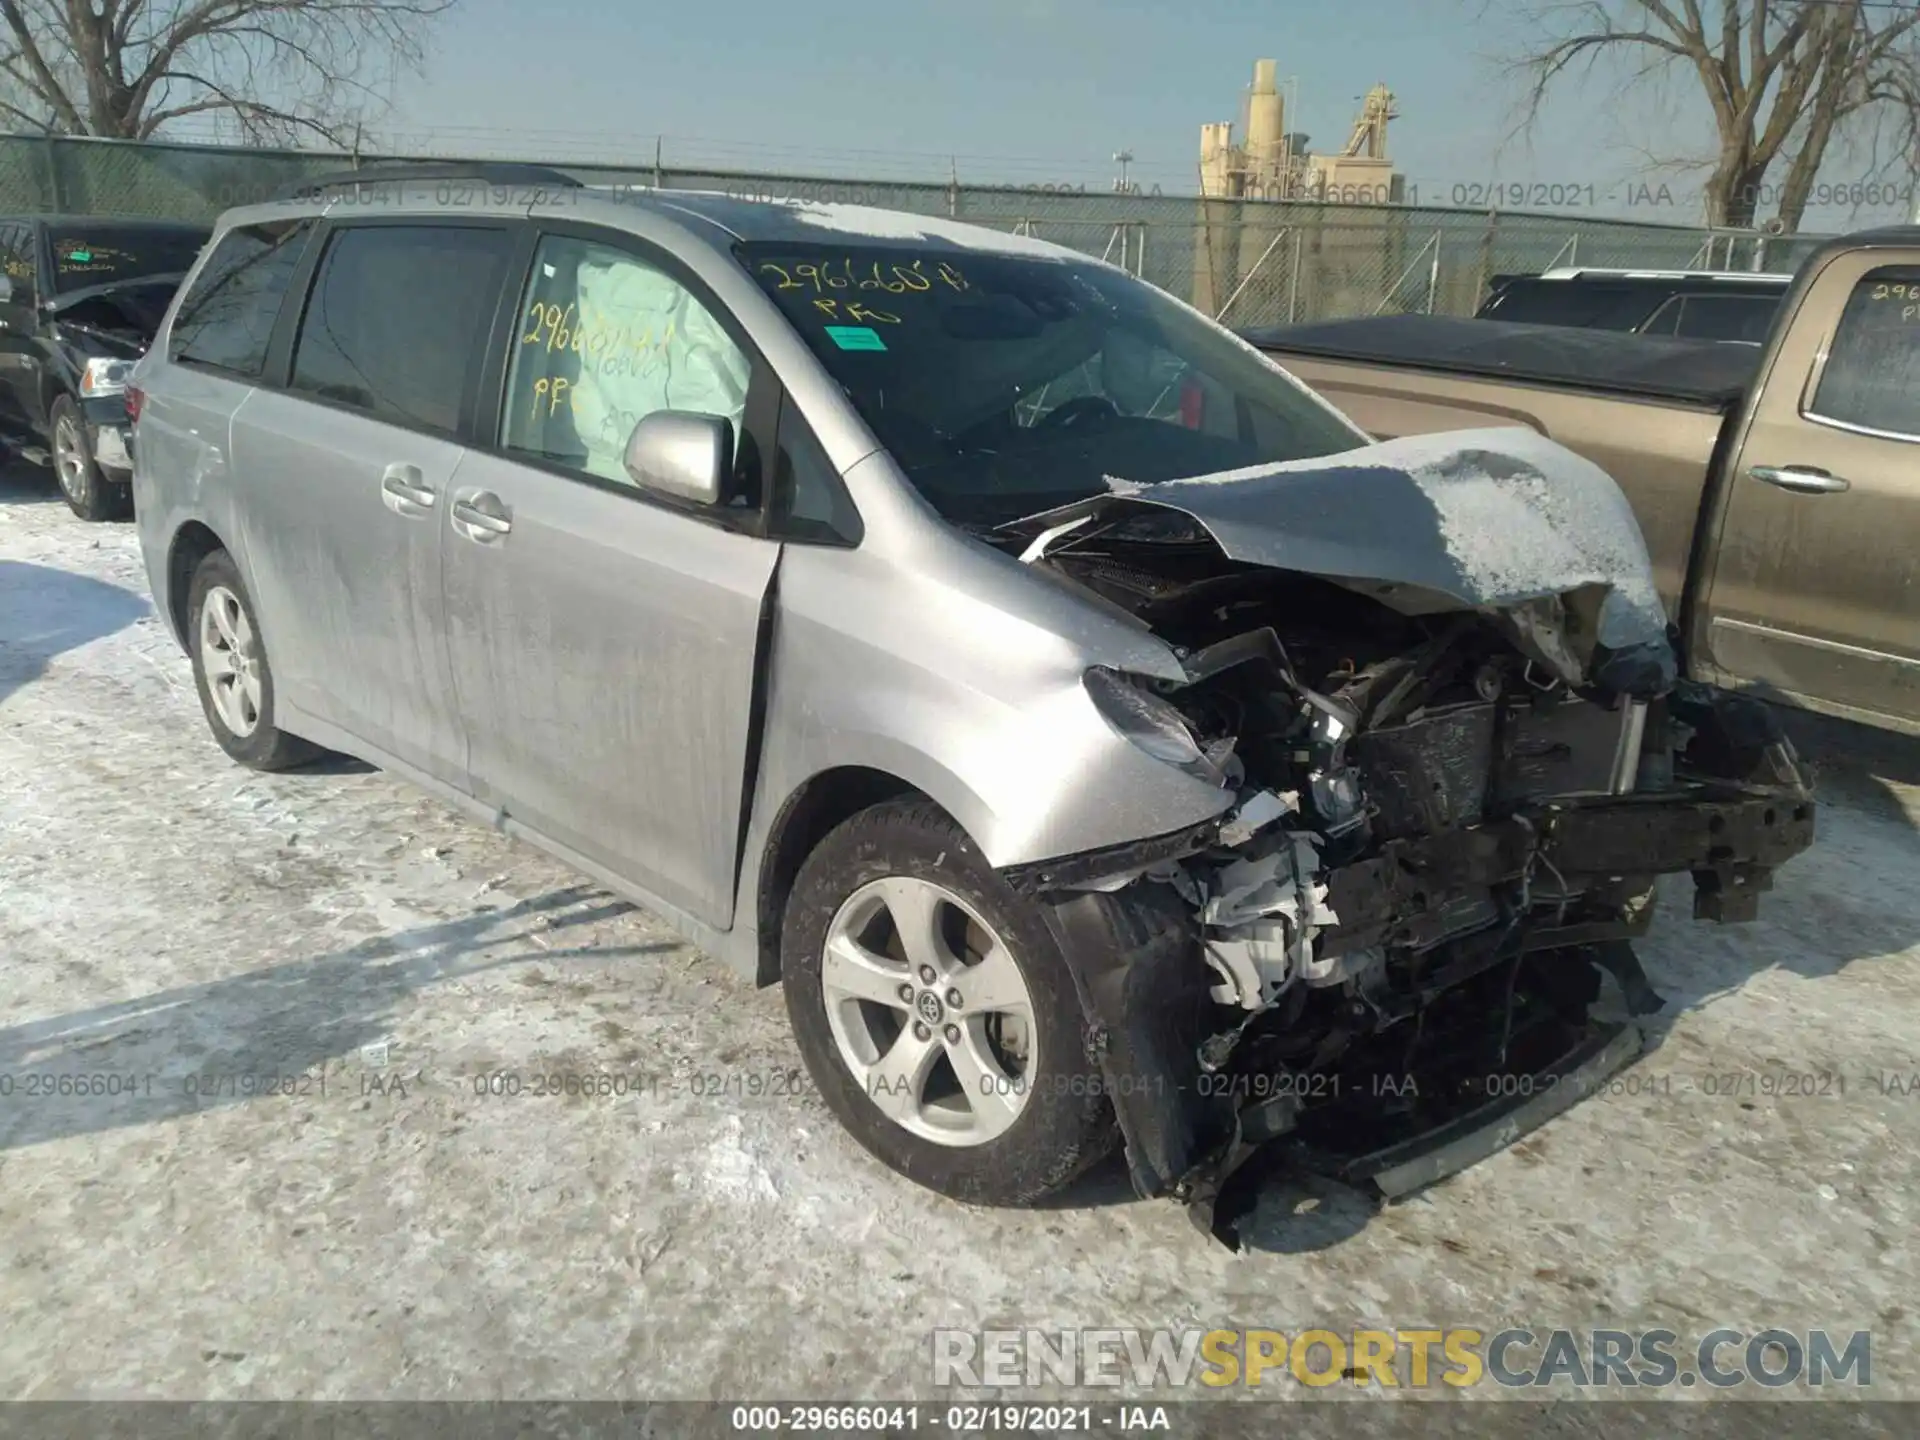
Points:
(398, 319)
(1872, 376)
(1744, 318)
(227, 318)
(1580, 304)
(1666, 320)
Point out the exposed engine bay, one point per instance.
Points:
(1448, 825)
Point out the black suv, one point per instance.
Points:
(1734, 307)
(80, 298)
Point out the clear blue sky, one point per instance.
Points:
(1017, 90)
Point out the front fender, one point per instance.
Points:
(894, 668)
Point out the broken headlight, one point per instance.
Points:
(1148, 721)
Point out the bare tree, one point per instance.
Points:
(1784, 80)
(276, 69)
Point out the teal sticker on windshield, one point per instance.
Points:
(856, 337)
(80, 257)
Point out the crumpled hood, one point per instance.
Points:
(121, 317)
(1504, 521)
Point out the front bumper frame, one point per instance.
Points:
(1145, 1006)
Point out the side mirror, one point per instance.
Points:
(682, 454)
(6, 289)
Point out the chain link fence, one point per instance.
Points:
(1249, 262)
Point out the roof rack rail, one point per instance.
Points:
(485, 174)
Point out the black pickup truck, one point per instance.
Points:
(80, 298)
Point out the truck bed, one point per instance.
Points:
(1650, 412)
(1702, 372)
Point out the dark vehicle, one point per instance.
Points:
(80, 298)
(1736, 307)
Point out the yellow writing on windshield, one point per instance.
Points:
(844, 273)
(854, 311)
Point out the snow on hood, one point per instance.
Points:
(1501, 520)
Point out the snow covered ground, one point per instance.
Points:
(174, 922)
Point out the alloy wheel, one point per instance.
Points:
(69, 458)
(231, 660)
(929, 1011)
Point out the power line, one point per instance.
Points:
(598, 140)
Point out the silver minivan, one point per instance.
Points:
(1100, 737)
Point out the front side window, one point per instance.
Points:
(603, 339)
(226, 320)
(1007, 384)
(1872, 374)
(398, 319)
(99, 254)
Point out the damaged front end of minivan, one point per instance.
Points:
(1438, 682)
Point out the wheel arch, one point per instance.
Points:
(819, 805)
(52, 387)
(191, 544)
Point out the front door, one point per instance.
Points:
(348, 474)
(1816, 585)
(603, 644)
(19, 327)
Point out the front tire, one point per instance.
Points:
(231, 672)
(84, 486)
(936, 1014)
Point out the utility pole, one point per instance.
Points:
(1122, 158)
(1913, 186)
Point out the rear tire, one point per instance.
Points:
(992, 1100)
(84, 486)
(231, 672)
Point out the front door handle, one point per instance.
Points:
(1801, 479)
(405, 490)
(483, 515)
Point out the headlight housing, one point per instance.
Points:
(1149, 722)
(104, 376)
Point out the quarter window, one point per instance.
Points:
(398, 320)
(227, 318)
(1872, 374)
(810, 502)
(604, 339)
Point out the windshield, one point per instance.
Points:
(1005, 384)
(99, 255)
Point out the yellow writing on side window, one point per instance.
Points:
(556, 328)
(550, 392)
